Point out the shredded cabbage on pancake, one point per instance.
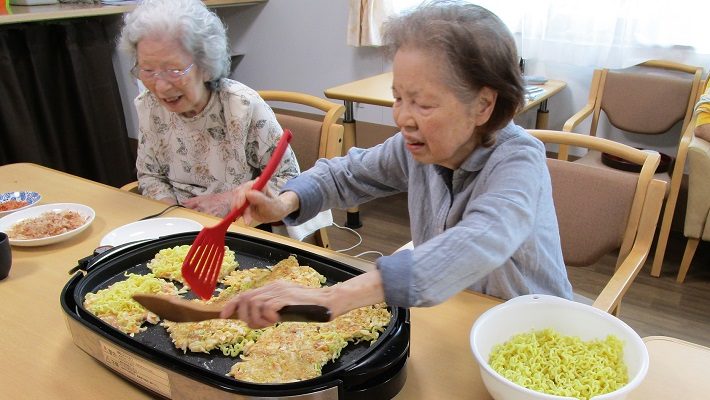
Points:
(168, 263)
(288, 352)
(229, 335)
(294, 351)
(365, 323)
(287, 269)
(115, 305)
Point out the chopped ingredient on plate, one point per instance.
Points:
(47, 224)
(12, 204)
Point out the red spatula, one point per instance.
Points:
(204, 260)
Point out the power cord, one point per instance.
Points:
(353, 231)
(359, 242)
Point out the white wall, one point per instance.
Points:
(301, 46)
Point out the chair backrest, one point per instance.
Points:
(313, 137)
(648, 98)
(593, 207)
(601, 210)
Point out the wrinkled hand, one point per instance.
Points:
(259, 307)
(703, 132)
(264, 206)
(217, 204)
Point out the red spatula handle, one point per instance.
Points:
(266, 174)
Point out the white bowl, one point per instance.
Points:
(8, 221)
(31, 198)
(536, 312)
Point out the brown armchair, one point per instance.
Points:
(603, 210)
(649, 98)
(313, 137)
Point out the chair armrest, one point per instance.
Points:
(626, 272)
(131, 187)
(696, 217)
(578, 117)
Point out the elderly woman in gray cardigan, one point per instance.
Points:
(480, 196)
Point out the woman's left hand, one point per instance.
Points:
(259, 307)
(217, 204)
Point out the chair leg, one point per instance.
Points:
(321, 237)
(616, 310)
(663, 238)
(688, 254)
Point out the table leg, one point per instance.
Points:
(542, 116)
(349, 140)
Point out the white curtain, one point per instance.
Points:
(602, 33)
(365, 20)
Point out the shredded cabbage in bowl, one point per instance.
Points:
(548, 362)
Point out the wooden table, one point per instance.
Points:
(377, 90)
(41, 361)
(677, 370)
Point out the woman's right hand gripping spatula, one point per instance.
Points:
(204, 260)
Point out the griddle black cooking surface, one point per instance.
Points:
(358, 364)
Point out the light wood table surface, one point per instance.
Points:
(40, 360)
(377, 90)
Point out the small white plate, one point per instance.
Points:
(31, 198)
(8, 221)
(149, 229)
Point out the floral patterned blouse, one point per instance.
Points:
(225, 145)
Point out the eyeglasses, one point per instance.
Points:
(170, 75)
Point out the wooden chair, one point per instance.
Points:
(649, 98)
(131, 187)
(603, 210)
(313, 138)
(697, 215)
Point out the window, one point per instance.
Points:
(610, 33)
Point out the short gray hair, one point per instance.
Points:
(474, 44)
(199, 30)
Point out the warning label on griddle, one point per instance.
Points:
(129, 366)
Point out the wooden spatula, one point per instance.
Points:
(178, 309)
(204, 260)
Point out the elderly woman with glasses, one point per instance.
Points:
(200, 134)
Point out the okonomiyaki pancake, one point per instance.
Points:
(365, 323)
(228, 335)
(287, 269)
(167, 263)
(115, 305)
(290, 351)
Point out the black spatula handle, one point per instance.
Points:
(305, 313)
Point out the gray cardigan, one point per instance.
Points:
(489, 226)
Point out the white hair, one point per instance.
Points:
(199, 30)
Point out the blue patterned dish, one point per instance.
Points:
(31, 198)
